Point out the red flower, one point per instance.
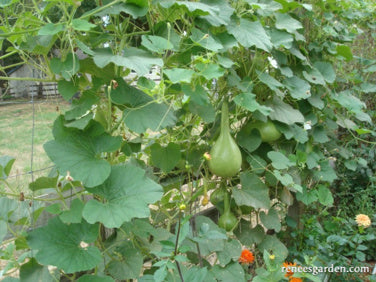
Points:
(246, 257)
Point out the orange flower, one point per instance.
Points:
(288, 266)
(246, 257)
(295, 279)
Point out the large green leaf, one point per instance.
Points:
(232, 272)
(199, 102)
(294, 131)
(325, 172)
(230, 252)
(39, 44)
(177, 75)
(367, 87)
(66, 68)
(327, 71)
(126, 94)
(253, 193)
(13, 210)
(156, 43)
(250, 34)
(308, 196)
(66, 246)
(286, 22)
(249, 139)
(220, 14)
(319, 134)
(279, 160)
(198, 94)
(127, 192)
(210, 71)
(200, 8)
(273, 245)
(74, 214)
(210, 237)
(205, 40)
(249, 102)
(81, 106)
(154, 116)
(264, 8)
(135, 59)
(345, 52)
(270, 81)
(166, 158)
(67, 89)
(314, 76)
(288, 181)
(284, 112)
(352, 104)
(79, 152)
(130, 265)
(298, 88)
(325, 196)
(43, 183)
(142, 111)
(281, 38)
(82, 25)
(94, 278)
(51, 29)
(33, 271)
(248, 235)
(271, 220)
(197, 274)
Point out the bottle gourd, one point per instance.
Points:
(226, 158)
(227, 220)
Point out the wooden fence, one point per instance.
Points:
(42, 90)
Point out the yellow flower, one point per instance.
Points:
(363, 220)
(272, 257)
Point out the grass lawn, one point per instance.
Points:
(16, 123)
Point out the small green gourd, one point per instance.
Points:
(226, 158)
(227, 220)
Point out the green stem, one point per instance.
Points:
(12, 66)
(5, 35)
(225, 127)
(176, 248)
(227, 203)
(7, 55)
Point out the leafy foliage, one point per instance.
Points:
(150, 78)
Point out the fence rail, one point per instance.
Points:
(42, 90)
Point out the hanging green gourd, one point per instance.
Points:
(225, 157)
(227, 220)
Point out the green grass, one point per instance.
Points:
(16, 124)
